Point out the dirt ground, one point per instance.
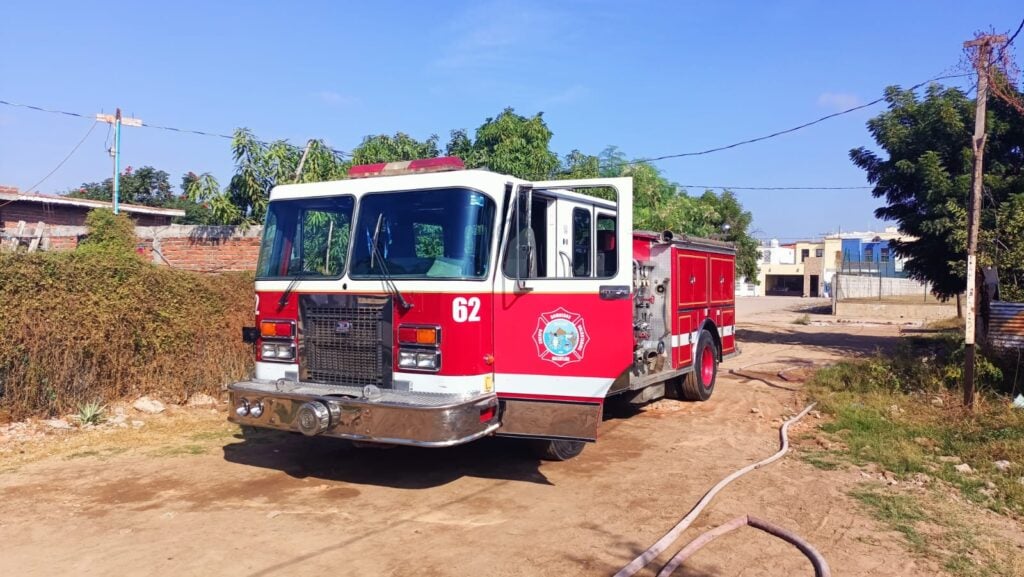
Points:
(189, 496)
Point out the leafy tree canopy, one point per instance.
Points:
(147, 186)
(924, 174)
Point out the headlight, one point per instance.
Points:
(256, 409)
(282, 351)
(426, 361)
(406, 360)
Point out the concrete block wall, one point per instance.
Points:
(853, 287)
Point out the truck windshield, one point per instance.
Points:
(306, 237)
(435, 234)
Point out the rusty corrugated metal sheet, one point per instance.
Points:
(1006, 325)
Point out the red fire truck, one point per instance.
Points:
(419, 303)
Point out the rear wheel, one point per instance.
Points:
(700, 383)
(558, 450)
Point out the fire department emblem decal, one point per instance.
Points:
(561, 337)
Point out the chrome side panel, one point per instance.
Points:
(549, 419)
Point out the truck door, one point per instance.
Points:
(562, 306)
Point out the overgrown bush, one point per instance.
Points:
(99, 324)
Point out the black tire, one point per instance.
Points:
(699, 384)
(558, 450)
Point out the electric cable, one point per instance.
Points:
(61, 163)
(776, 187)
(341, 153)
(780, 132)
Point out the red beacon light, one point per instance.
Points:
(442, 164)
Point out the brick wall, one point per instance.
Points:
(189, 247)
(202, 248)
(32, 212)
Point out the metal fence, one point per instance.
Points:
(887, 268)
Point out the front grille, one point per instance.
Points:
(345, 340)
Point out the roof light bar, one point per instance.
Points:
(442, 164)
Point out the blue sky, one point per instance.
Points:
(650, 77)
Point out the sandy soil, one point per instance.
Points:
(206, 501)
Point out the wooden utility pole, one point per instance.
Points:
(983, 44)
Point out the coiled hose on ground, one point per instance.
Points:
(821, 568)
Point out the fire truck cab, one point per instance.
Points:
(421, 304)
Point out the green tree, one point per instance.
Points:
(924, 175)
(146, 186)
(259, 167)
(509, 144)
(401, 146)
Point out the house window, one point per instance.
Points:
(884, 254)
(804, 253)
(819, 252)
(766, 256)
(869, 254)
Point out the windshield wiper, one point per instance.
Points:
(385, 274)
(293, 281)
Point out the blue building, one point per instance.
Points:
(871, 257)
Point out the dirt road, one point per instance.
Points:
(197, 499)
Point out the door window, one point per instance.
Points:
(582, 236)
(607, 251)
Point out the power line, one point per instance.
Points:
(61, 163)
(624, 163)
(782, 132)
(777, 187)
(1012, 38)
(341, 153)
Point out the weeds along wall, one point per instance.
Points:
(101, 322)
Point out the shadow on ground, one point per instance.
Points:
(843, 342)
(399, 467)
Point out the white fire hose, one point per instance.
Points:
(821, 568)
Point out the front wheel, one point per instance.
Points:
(699, 383)
(558, 450)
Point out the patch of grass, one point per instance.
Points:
(802, 320)
(220, 434)
(178, 450)
(931, 528)
(950, 324)
(900, 512)
(103, 453)
(165, 431)
(903, 413)
(821, 460)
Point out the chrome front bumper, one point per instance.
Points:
(392, 417)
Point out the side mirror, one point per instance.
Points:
(524, 237)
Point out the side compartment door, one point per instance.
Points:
(691, 297)
(562, 307)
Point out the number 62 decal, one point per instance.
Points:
(466, 309)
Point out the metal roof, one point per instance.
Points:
(1006, 325)
(88, 203)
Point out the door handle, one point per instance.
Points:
(613, 292)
